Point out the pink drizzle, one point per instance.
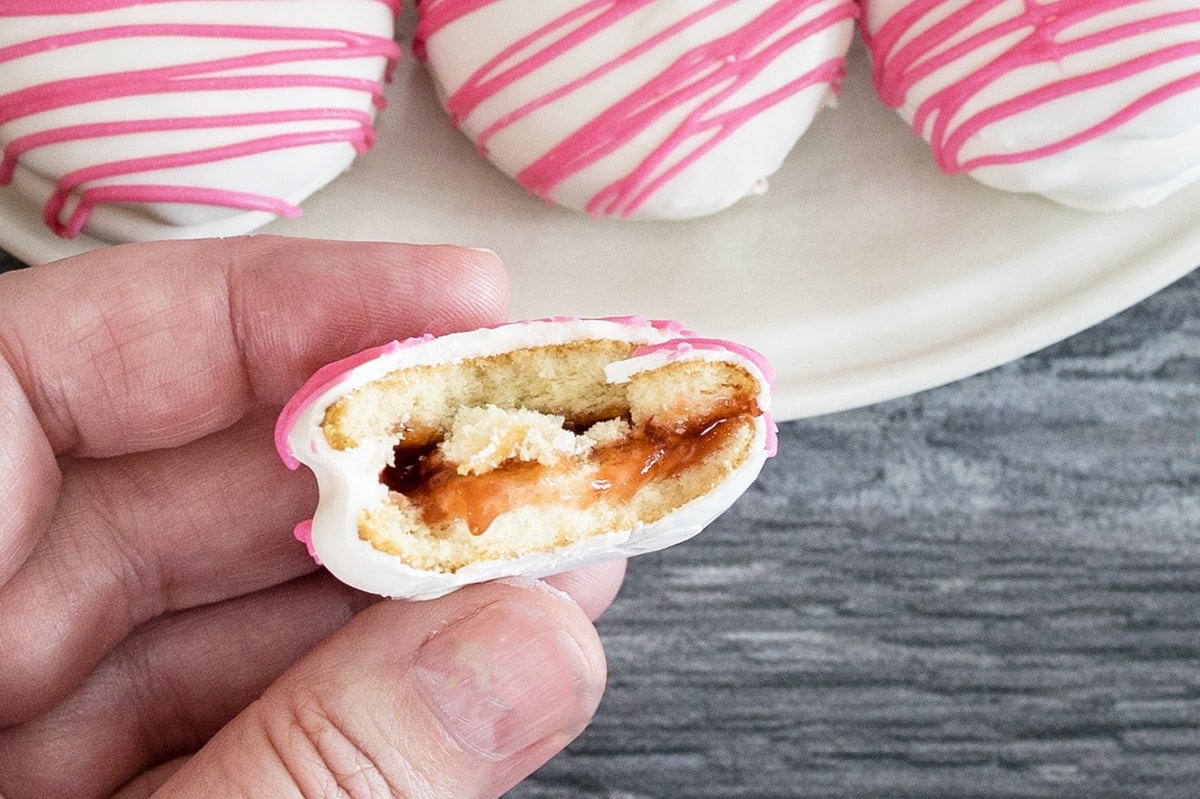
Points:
(303, 534)
(310, 45)
(897, 68)
(715, 71)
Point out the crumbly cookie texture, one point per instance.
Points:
(482, 439)
(532, 450)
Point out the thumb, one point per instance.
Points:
(463, 696)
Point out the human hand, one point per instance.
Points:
(161, 633)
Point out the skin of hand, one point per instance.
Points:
(161, 632)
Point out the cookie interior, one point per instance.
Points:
(528, 451)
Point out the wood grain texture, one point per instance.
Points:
(991, 589)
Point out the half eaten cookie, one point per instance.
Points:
(524, 449)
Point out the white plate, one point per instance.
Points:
(863, 274)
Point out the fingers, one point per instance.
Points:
(144, 785)
(459, 697)
(153, 345)
(167, 689)
(155, 350)
(174, 682)
(592, 587)
(130, 541)
(29, 476)
(140, 535)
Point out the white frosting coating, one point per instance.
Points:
(349, 479)
(532, 118)
(288, 174)
(1135, 163)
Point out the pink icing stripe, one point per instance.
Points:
(955, 142)
(122, 193)
(303, 534)
(312, 45)
(21, 145)
(654, 172)
(1045, 40)
(196, 76)
(28, 102)
(715, 70)
(356, 43)
(31, 8)
(199, 195)
(483, 84)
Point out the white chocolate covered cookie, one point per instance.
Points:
(639, 108)
(1093, 103)
(525, 449)
(145, 119)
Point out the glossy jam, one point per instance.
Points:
(617, 471)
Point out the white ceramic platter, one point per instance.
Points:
(863, 274)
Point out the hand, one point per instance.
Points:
(161, 633)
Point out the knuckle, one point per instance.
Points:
(327, 755)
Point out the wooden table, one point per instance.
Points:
(991, 589)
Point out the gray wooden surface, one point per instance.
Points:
(991, 589)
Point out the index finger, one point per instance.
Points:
(148, 346)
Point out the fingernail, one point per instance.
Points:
(505, 678)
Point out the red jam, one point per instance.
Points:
(621, 470)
